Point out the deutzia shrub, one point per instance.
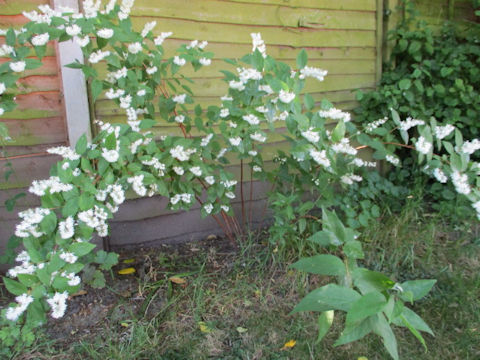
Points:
(90, 182)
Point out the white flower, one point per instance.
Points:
(460, 181)
(202, 44)
(110, 155)
(117, 194)
(180, 99)
(311, 136)
(253, 153)
(226, 98)
(409, 123)
(105, 33)
(229, 183)
(210, 180)
(58, 304)
(375, 124)
(73, 280)
(195, 170)
(179, 61)
(265, 88)
(68, 257)
(344, 147)
(178, 170)
(392, 159)
(225, 208)
(41, 39)
(286, 97)
(66, 228)
(65, 152)
(258, 43)
(316, 73)
(261, 109)
(73, 30)
(230, 195)
(192, 44)
(350, 178)
(469, 147)
(180, 118)
(14, 312)
(224, 113)
(258, 137)
(440, 175)
(122, 73)
(180, 153)
(335, 114)
(3, 88)
(235, 141)
(141, 92)
(237, 85)
(17, 66)
(443, 131)
(320, 157)
(151, 70)
(76, 172)
(232, 124)
(208, 208)
(39, 187)
(137, 184)
(134, 48)
(98, 56)
(82, 41)
(125, 101)
(257, 168)
(205, 61)
(205, 141)
(148, 27)
(89, 218)
(423, 146)
(251, 119)
(160, 39)
(249, 74)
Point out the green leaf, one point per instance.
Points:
(404, 84)
(106, 260)
(328, 297)
(339, 131)
(98, 281)
(49, 223)
(81, 248)
(36, 313)
(14, 287)
(368, 281)
(325, 321)
(308, 101)
(321, 264)
(28, 279)
(302, 59)
(322, 238)
(382, 328)
(413, 319)
(368, 305)
(356, 331)
(353, 249)
(111, 141)
(81, 145)
(419, 288)
(86, 201)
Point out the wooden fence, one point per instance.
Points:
(345, 37)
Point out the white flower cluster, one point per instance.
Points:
(66, 228)
(286, 97)
(469, 147)
(440, 175)
(335, 114)
(65, 152)
(179, 61)
(182, 154)
(41, 39)
(54, 184)
(236, 85)
(26, 267)
(186, 198)
(149, 26)
(161, 38)
(73, 30)
(443, 131)
(476, 206)
(460, 181)
(73, 280)
(96, 219)
(157, 165)
(248, 74)
(31, 219)
(236, 141)
(310, 135)
(68, 257)
(251, 119)
(375, 124)
(58, 304)
(423, 146)
(392, 159)
(137, 184)
(349, 179)
(105, 33)
(208, 208)
(344, 147)
(125, 9)
(180, 99)
(316, 73)
(14, 312)
(229, 183)
(17, 66)
(98, 56)
(206, 140)
(205, 61)
(257, 136)
(320, 157)
(409, 123)
(362, 163)
(258, 43)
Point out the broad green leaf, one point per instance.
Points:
(325, 321)
(382, 328)
(321, 237)
(96, 89)
(81, 145)
(14, 287)
(339, 131)
(368, 305)
(302, 59)
(36, 313)
(321, 264)
(404, 84)
(328, 297)
(368, 281)
(413, 319)
(28, 279)
(353, 249)
(81, 248)
(356, 331)
(419, 288)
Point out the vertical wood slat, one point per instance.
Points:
(379, 41)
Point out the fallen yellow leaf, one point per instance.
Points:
(128, 261)
(177, 280)
(362, 358)
(241, 330)
(289, 344)
(127, 271)
(204, 327)
(124, 324)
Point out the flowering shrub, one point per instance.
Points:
(88, 185)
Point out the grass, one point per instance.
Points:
(235, 304)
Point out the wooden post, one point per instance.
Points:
(451, 9)
(74, 87)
